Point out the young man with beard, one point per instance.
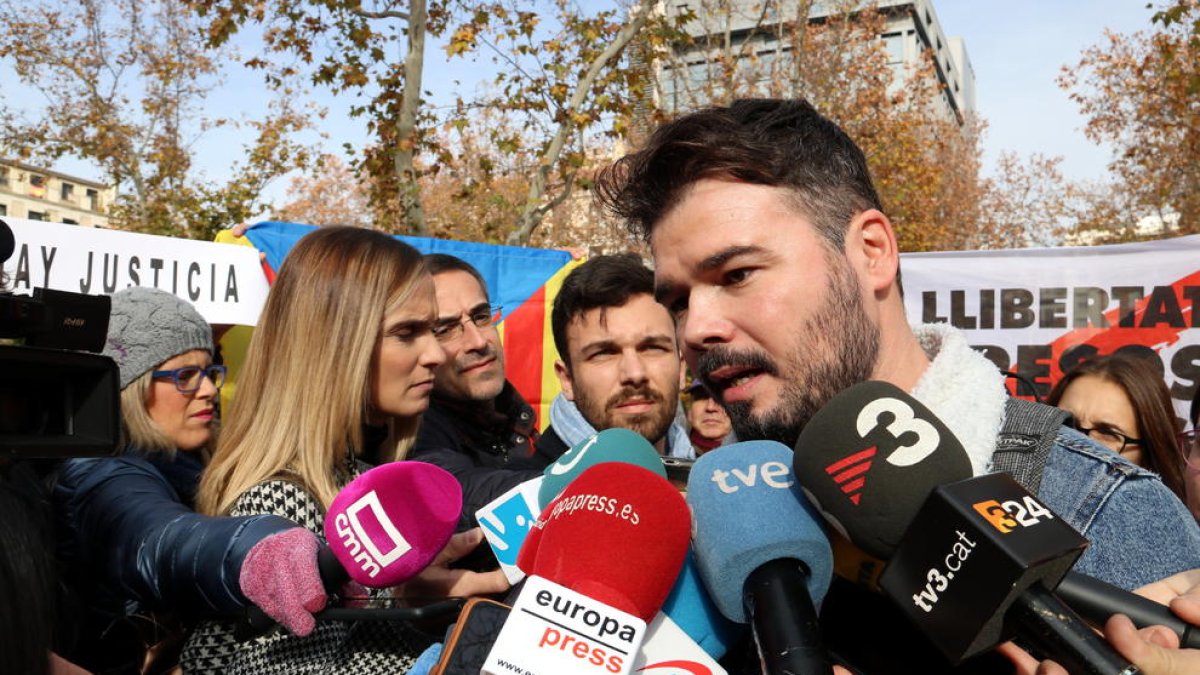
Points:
(618, 361)
(774, 255)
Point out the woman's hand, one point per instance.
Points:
(439, 581)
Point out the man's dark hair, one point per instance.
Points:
(780, 143)
(438, 263)
(603, 281)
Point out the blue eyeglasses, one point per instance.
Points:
(188, 378)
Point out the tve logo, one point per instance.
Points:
(366, 532)
(1010, 515)
(773, 474)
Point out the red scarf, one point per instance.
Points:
(703, 444)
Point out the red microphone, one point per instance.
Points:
(601, 560)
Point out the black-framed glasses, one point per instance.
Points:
(449, 330)
(188, 378)
(1107, 436)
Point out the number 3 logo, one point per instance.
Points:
(906, 455)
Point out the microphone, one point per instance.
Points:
(693, 611)
(601, 560)
(388, 524)
(506, 520)
(382, 529)
(1097, 600)
(971, 559)
(767, 574)
(610, 445)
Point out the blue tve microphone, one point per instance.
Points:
(761, 552)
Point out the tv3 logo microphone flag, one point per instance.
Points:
(899, 421)
(873, 434)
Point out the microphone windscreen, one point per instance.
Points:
(389, 523)
(693, 611)
(618, 534)
(870, 458)
(749, 510)
(610, 445)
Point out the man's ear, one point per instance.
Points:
(871, 242)
(564, 379)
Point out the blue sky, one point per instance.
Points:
(1017, 48)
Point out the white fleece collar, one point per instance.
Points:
(964, 389)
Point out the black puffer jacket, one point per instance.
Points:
(130, 541)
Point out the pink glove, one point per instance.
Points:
(280, 576)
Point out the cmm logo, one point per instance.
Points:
(363, 527)
(1009, 515)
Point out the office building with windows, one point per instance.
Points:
(40, 194)
(753, 28)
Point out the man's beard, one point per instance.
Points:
(836, 348)
(651, 425)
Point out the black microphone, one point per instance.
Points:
(1097, 600)
(971, 560)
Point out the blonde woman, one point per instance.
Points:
(341, 364)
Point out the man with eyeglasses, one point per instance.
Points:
(478, 427)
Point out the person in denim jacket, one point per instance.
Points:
(774, 255)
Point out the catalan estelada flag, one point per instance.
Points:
(523, 281)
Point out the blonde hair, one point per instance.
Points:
(305, 390)
(140, 431)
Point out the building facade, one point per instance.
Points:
(40, 194)
(753, 28)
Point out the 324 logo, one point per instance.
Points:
(1009, 515)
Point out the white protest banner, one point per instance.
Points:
(224, 282)
(1039, 311)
